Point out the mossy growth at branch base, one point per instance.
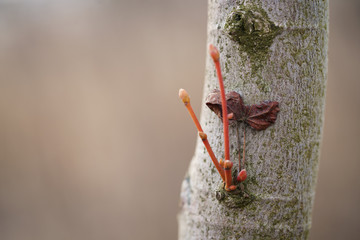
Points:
(239, 198)
(252, 29)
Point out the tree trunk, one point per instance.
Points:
(270, 50)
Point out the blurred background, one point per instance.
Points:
(94, 141)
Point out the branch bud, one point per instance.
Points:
(202, 135)
(228, 164)
(214, 53)
(242, 176)
(184, 96)
(221, 162)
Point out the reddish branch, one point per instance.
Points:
(186, 100)
(214, 53)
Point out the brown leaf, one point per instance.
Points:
(261, 116)
(235, 105)
(258, 116)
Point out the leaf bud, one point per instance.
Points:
(214, 53)
(242, 176)
(228, 164)
(202, 135)
(184, 96)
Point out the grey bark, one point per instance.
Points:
(282, 161)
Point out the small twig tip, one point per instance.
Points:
(184, 96)
(214, 53)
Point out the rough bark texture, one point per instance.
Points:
(278, 53)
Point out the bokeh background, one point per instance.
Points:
(94, 142)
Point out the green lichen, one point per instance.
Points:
(239, 198)
(252, 29)
(236, 198)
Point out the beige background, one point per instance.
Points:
(94, 142)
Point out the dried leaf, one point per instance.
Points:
(261, 116)
(213, 101)
(258, 116)
(235, 105)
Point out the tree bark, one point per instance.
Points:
(270, 50)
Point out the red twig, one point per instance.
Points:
(214, 53)
(243, 149)
(186, 100)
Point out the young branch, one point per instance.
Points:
(214, 53)
(184, 96)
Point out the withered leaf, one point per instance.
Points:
(234, 103)
(258, 116)
(261, 116)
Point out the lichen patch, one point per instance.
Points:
(252, 29)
